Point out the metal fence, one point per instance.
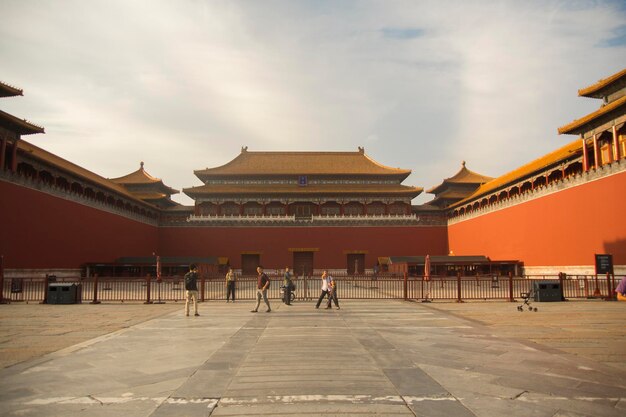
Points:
(149, 290)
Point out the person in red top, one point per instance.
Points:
(263, 284)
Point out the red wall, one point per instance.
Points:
(564, 228)
(38, 230)
(274, 243)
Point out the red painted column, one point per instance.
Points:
(596, 154)
(585, 157)
(616, 154)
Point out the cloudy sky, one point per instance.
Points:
(422, 85)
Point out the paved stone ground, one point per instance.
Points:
(592, 329)
(388, 358)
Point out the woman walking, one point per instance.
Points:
(325, 290)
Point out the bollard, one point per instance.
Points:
(148, 301)
(458, 288)
(406, 295)
(610, 285)
(511, 299)
(45, 290)
(95, 290)
(562, 276)
(202, 289)
(597, 292)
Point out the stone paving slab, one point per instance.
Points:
(387, 358)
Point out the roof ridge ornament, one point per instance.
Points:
(141, 165)
(361, 149)
(244, 149)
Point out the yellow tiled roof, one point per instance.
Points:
(301, 163)
(589, 91)
(464, 176)
(285, 189)
(573, 149)
(138, 177)
(141, 177)
(7, 90)
(573, 127)
(65, 165)
(18, 125)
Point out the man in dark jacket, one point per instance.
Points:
(191, 289)
(263, 284)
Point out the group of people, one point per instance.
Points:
(328, 284)
(328, 289)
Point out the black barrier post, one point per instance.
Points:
(148, 301)
(202, 289)
(406, 295)
(562, 276)
(458, 288)
(610, 284)
(95, 290)
(511, 299)
(45, 290)
(596, 292)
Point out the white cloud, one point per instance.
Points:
(423, 85)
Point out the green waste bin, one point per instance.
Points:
(548, 291)
(63, 293)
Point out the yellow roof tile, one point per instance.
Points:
(18, 125)
(464, 176)
(65, 165)
(301, 163)
(574, 127)
(592, 89)
(7, 90)
(569, 151)
(141, 177)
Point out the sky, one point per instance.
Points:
(422, 85)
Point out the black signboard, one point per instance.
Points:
(604, 263)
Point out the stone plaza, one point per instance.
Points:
(389, 358)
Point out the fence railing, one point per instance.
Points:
(213, 288)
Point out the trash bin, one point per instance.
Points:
(63, 293)
(548, 291)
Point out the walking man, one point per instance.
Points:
(230, 284)
(191, 289)
(263, 284)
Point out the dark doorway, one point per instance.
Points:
(356, 263)
(249, 263)
(303, 263)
